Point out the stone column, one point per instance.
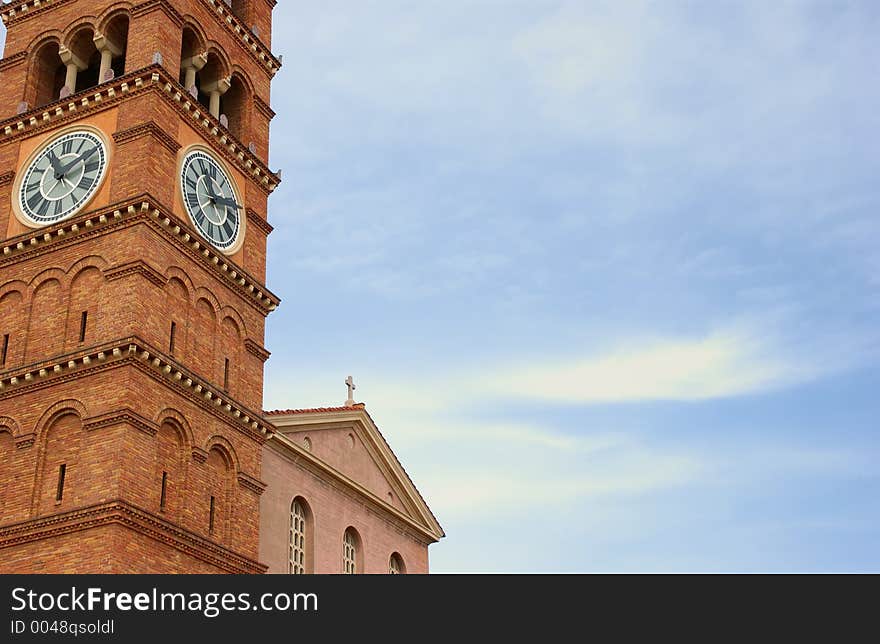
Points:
(215, 91)
(108, 50)
(191, 66)
(74, 65)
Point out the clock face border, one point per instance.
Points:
(22, 172)
(242, 223)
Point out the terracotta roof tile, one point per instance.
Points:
(316, 410)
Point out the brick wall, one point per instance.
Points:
(118, 425)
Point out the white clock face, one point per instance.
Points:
(211, 200)
(62, 177)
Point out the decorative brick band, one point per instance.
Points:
(254, 218)
(130, 516)
(13, 60)
(25, 440)
(148, 129)
(22, 9)
(153, 78)
(250, 483)
(128, 213)
(137, 267)
(7, 177)
(199, 455)
(246, 38)
(123, 416)
(264, 108)
(134, 351)
(255, 349)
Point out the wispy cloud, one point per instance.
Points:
(721, 365)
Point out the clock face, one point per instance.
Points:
(62, 177)
(211, 200)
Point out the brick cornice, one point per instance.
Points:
(123, 513)
(25, 440)
(244, 36)
(138, 267)
(132, 212)
(148, 129)
(134, 351)
(264, 108)
(7, 177)
(250, 483)
(13, 60)
(255, 349)
(254, 218)
(125, 416)
(22, 9)
(149, 79)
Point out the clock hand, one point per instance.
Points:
(223, 201)
(82, 157)
(56, 165)
(211, 193)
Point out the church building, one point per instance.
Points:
(134, 187)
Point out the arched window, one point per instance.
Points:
(351, 555)
(113, 47)
(234, 104)
(83, 61)
(297, 551)
(212, 83)
(47, 76)
(395, 565)
(192, 58)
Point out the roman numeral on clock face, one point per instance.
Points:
(62, 176)
(203, 182)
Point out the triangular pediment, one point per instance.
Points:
(348, 443)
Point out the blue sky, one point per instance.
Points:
(606, 273)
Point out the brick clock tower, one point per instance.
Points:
(133, 192)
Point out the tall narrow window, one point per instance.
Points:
(349, 553)
(5, 349)
(163, 498)
(62, 471)
(171, 339)
(83, 322)
(211, 518)
(226, 374)
(297, 552)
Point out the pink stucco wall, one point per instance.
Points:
(334, 508)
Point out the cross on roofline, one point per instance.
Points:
(351, 387)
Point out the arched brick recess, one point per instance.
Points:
(85, 297)
(59, 436)
(13, 323)
(45, 330)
